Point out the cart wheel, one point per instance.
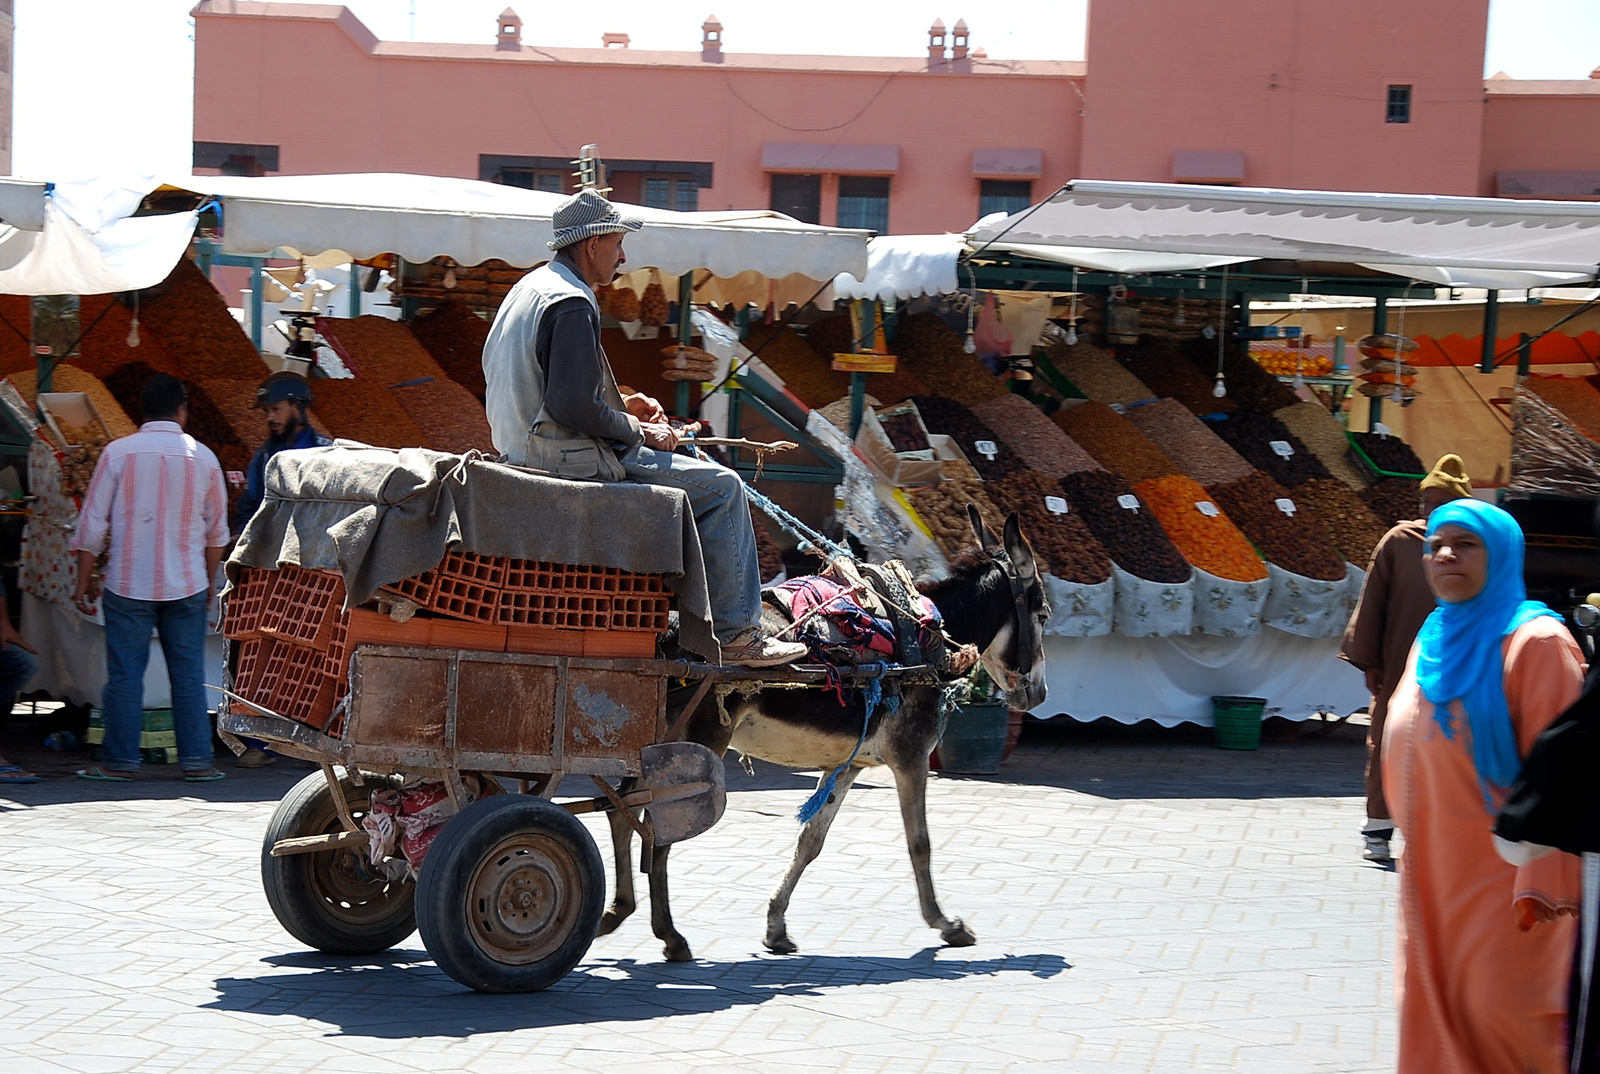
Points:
(510, 894)
(331, 900)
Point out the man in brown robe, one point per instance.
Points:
(1395, 599)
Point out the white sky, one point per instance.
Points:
(107, 85)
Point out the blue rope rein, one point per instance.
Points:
(871, 694)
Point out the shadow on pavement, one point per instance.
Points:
(401, 994)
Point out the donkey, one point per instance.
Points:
(992, 600)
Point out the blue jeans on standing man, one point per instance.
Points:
(17, 666)
(181, 625)
(722, 518)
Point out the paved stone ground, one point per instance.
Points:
(1142, 903)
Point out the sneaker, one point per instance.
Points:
(1377, 849)
(254, 758)
(750, 649)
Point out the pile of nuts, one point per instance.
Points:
(1132, 536)
(1189, 442)
(1297, 542)
(379, 349)
(1253, 433)
(1039, 441)
(929, 349)
(1097, 374)
(1114, 441)
(1158, 364)
(1355, 530)
(904, 431)
(1201, 531)
(1389, 453)
(1248, 384)
(1324, 437)
(449, 417)
(194, 326)
(946, 416)
(455, 336)
(1065, 546)
(366, 411)
(943, 509)
(1395, 499)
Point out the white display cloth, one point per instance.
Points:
(1482, 242)
(1172, 680)
(1078, 609)
(1227, 608)
(905, 266)
(1308, 607)
(421, 217)
(1146, 609)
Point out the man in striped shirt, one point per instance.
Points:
(157, 498)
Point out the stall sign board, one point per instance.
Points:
(1207, 508)
(1282, 448)
(1128, 502)
(865, 363)
(1055, 505)
(987, 448)
(1285, 505)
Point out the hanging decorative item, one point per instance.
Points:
(1122, 319)
(1177, 313)
(653, 304)
(1072, 311)
(133, 327)
(1220, 389)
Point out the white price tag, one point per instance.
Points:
(1282, 448)
(1128, 502)
(1055, 505)
(1382, 430)
(987, 448)
(1207, 508)
(1285, 505)
(1119, 408)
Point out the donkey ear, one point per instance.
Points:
(986, 540)
(1018, 549)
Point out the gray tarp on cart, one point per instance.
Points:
(379, 515)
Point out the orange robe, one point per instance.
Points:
(1480, 991)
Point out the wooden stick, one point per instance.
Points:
(740, 442)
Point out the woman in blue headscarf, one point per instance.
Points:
(1485, 945)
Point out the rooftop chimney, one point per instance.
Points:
(509, 32)
(1595, 73)
(711, 40)
(936, 44)
(958, 47)
(614, 40)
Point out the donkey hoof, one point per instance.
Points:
(958, 935)
(678, 952)
(610, 921)
(780, 944)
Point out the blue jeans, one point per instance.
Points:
(17, 666)
(182, 627)
(722, 517)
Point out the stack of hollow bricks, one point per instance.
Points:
(295, 641)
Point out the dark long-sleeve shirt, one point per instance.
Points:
(568, 350)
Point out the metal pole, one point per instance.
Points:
(1524, 355)
(685, 334)
(858, 402)
(1491, 328)
(1380, 315)
(257, 305)
(355, 291)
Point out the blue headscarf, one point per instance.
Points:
(1458, 648)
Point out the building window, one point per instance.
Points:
(535, 179)
(1003, 196)
(799, 196)
(864, 202)
(678, 192)
(1399, 105)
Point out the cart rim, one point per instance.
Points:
(346, 887)
(524, 898)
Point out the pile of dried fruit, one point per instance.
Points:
(192, 323)
(1038, 440)
(378, 349)
(119, 421)
(455, 336)
(106, 323)
(807, 376)
(1395, 499)
(1296, 542)
(1097, 374)
(1189, 442)
(1200, 530)
(1163, 370)
(1254, 434)
(1355, 530)
(904, 431)
(1389, 453)
(949, 417)
(1574, 397)
(1114, 441)
(208, 424)
(1248, 384)
(1063, 543)
(16, 350)
(943, 509)
(1324, 437)
(930, 350)
(831, 335)
(365, 411)
(1132, 536)
(450, 418)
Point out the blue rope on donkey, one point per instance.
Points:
(871, 695)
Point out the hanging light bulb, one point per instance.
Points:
(1177, 318)
(1219, 389)
(971, 345)
(1209, 332)
(1072, 335)
(450, 277)
(133, 332)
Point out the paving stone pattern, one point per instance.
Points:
(1141, 904)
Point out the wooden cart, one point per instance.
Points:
(510, 893)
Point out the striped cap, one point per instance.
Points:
(586, 214)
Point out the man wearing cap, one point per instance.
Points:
(1395, 599)
(285, 397)
(554, 406)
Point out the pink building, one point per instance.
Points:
(1362, 95)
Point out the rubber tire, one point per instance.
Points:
(468, 845)
(299, 886)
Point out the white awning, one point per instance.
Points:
(905, 266)
(63, 258)
(22, 203)
(422, 217)
(1471, 242)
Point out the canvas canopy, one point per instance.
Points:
(1450, 241)
(422, 217)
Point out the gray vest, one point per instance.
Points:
(524, 432)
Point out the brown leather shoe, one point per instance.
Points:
(750, 649)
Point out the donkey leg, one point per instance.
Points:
(673, 945)
(806, 850)
(911, 784)
(622, 900)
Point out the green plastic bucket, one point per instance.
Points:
(974, 740)
(1237, 721)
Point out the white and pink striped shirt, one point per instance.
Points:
(158, 495)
